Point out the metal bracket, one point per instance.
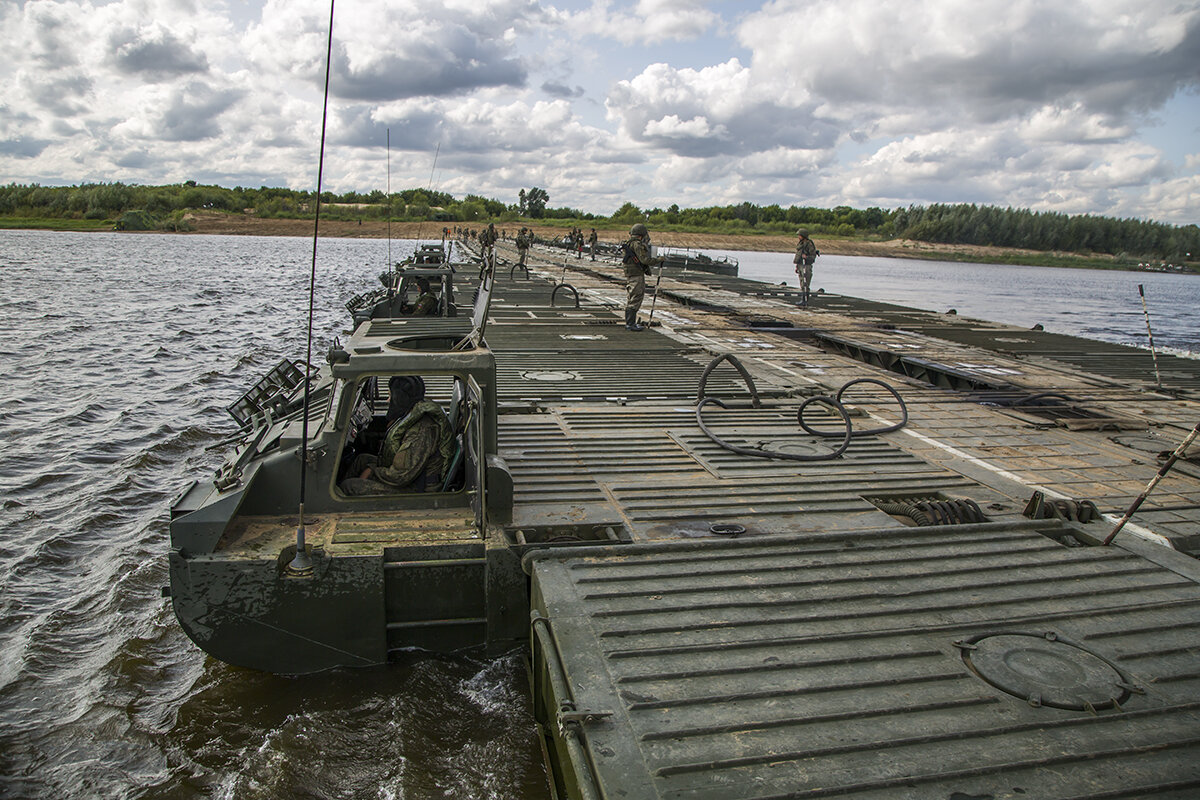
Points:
(315, 454)
(574, 719)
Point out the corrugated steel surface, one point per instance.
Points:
(837, 666)
(653, 467)
(601, 374)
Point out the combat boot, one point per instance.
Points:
(631, 323)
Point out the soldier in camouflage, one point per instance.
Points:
(522, 246)
(806, 254)
(426, 303)
(637, 263)
(488, 237)
(417, 448)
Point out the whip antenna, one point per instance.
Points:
(433, 169)
(302, 564)
(389, 197)
(428, 190)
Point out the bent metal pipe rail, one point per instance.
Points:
(1163, 470)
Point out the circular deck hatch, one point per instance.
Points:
(549, 375)
(1047, 670)
(794, 448)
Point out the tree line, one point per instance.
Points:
(165, 207)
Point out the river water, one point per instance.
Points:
(120, 352)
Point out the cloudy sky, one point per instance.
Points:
(1080, 106)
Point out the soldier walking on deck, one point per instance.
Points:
(522, 246)
(488, 238)
(592, 241)
(637, 262)
(806, 254)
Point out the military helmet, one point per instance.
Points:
(802, 232)
(638, 229)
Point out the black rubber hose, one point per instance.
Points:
(732, 359)
(870, 431)
(753, 453)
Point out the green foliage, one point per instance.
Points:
(533, 202)
(111, 203)
(137, 220)
(1047, 231)
(629, 214)
(176, 221)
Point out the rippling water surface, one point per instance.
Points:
(120, 353)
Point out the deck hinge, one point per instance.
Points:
(574, 719)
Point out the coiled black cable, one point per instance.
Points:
(834, 402)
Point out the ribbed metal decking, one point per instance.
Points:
(832, 650)
(850, 666)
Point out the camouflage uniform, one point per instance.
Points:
(522, 247)
(638, 262)
(425, 305)
(415, 454)
(593, 239)
(806, 253)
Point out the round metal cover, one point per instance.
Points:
(1046, 670)
(549, 375)
(795, 448)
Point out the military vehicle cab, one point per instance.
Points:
(419, 566)
(400, 289)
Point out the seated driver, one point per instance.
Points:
(426, 302)
(416, 450)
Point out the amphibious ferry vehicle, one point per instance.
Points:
(762, 549)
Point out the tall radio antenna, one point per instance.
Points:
(389, 197)
(302, 564)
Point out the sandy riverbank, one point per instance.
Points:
(374, 229)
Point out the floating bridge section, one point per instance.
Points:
(931, 662)
(708, 624)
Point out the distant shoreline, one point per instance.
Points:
(244, 225)
(226, 224)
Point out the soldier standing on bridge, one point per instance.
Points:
(637, 262)
(593, 239)
(806, 254)
(488, 238)
(522, 246)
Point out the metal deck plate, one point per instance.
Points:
(651, 466)
(841, 667)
